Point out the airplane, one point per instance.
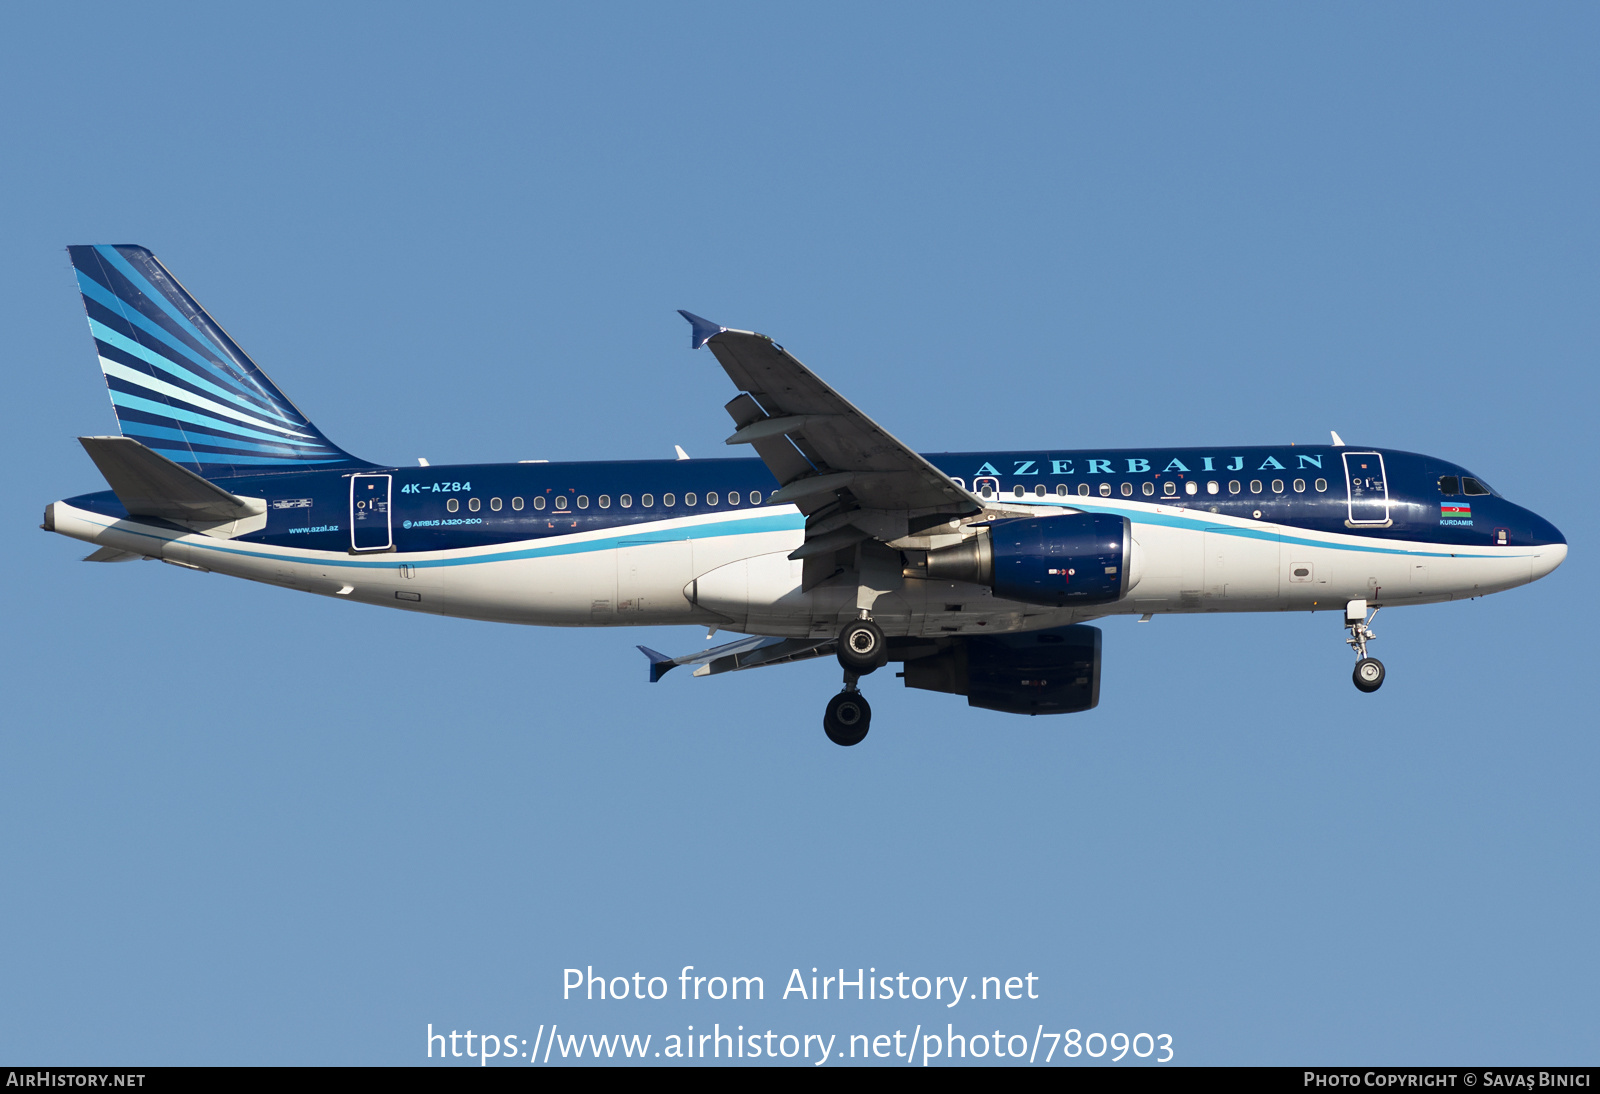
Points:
(976, 571)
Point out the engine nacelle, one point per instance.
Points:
(1036, 672)
(1066, 561)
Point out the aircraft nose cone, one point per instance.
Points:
(1545, 532)
(1551, 546)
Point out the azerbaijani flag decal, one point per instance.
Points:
(1455, 510)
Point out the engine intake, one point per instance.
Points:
(1064, 561)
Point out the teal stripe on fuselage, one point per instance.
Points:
(742, 525)
(1201, 524)
(736, 526)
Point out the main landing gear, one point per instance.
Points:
(862, 646)
(847, 716)
(1368, 675)
(862, 649)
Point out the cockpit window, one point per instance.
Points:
(1449, 485)
(1473, 486)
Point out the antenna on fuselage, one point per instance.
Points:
(1338, 441)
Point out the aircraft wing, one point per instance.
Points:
(849, 475)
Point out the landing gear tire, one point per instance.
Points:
(847, 718)
(862, 646)
(1369, 674)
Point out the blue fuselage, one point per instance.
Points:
(435, 509)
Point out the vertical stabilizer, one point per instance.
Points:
(179, 384)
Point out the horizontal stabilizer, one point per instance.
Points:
(150, 485)
(747, 653)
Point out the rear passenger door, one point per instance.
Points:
(369, 513)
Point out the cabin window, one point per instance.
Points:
(1277, 486)
(1105, 490)
(1127, 489)
(516, 503)
(626, 501)
(668, 500)
(1149, 488)
(1168, 489)
(1255, 486)
(538, 503)
(1191, 488)
(755, 497)
(711, 498)
(452, 505)
(1299, 486)
(1038, 491)
(583, 501)
(1321, 485)
(1211, 488)
(1061, 490)
(561, 501)
(1018, 491)
(689, 499)
(605, 501)
(1233, 486)
(1449, 485)
(473, 504)
(1473, 487)
(647, 501)
(1083, 490)
(494, 503)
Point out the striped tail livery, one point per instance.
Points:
(179, 384)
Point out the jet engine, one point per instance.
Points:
(1061, 562)
(1036, 672)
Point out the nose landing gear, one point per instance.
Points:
(1368, 675)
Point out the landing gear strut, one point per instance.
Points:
(862, 649)
(1368, 675)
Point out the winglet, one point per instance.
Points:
(1338, 441)
(704, 329)
(660, 663)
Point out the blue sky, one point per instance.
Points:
(241, 825)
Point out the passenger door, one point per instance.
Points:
(1366, 489)
(369, 513)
